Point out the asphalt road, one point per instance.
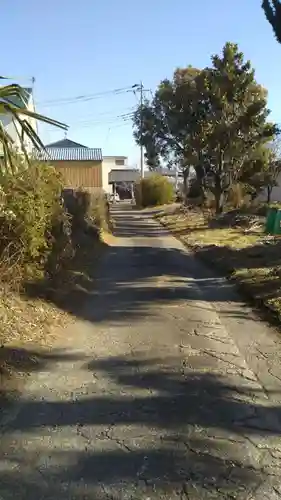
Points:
(165, 387)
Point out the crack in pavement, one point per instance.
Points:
(165, 402)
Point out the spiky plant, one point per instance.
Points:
(9, 94)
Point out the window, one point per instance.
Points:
(119, 161)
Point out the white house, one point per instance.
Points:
(13, 129)
(110, 163)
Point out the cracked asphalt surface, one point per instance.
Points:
(167, 386)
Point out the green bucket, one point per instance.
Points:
(277, 223)
(270, 220)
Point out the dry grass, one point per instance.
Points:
(23, 320)
(248, 256)
(31, 324)
(26, 326)
(194, 229)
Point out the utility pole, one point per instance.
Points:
(141, 147)
(139, 88)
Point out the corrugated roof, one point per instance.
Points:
(123, 175)
(69, 154)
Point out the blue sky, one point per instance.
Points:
(85, 47)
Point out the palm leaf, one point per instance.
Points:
(15, 90)
(21, 139)
(7, 107)
(7, 145)
(28, 130)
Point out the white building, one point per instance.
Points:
(13, 128)
(110, 163)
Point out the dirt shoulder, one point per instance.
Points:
(33, 321)
(236, 244)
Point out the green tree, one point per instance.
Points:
(213, 120)
(167, 126)
(146, 128)
(257, 173)
(272, 10)
(236, 120)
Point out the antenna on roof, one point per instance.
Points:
(65, 134)
(18, 77)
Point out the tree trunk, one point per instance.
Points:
(219, 196)
(200, 182)
(269, 192)
(185, 179)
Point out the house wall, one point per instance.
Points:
(111, 163)
(15, 131)
(31, 107)
(75, 174)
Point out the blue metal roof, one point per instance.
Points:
(69, 154)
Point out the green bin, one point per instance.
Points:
(277, 223)
(270, 220)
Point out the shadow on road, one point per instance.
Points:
(192, 434)
(18, 361)
(132, 278)
(196, 433)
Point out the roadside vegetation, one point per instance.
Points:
(49, 244)
(214, 124)
(155, 190)
(236, 244)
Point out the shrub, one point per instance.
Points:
(154, 190)
(98, 209)
(87, 209)
(33, 223)
(236, 195)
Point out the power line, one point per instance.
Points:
(93, 116)
(107, 120)
(113, 124)
(97, 123)
(84, 98)
(104, 119)
(128, 111)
